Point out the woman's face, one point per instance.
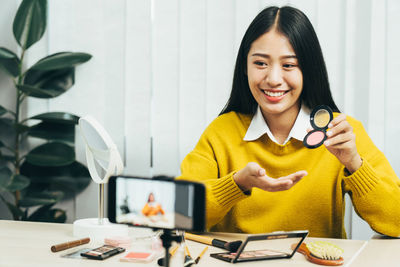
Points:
(151, 198)
(274, 76)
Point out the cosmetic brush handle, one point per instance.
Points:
(199, 238)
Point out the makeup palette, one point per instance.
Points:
(320, 118)
(276, 245)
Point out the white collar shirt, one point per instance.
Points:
(259, 127)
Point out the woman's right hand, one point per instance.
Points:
(254, 176)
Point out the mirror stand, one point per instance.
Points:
(100, 151)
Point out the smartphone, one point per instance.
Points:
(156, 203)
(102, 252)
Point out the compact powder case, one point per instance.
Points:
(320, 117)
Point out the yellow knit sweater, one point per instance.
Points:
(316, 203)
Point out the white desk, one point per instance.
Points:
(28, 244)
(379, 252)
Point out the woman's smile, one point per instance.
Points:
(275, 95)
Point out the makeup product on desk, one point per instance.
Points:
(320, 118)
(71, 244)
(76, 254)
(322, 253)
(276, 245)
(118, 241)
(231, 246)
(102, 252)
(142, 257)
(200, 255)
(188, 258)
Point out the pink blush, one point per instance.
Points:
(315, 138)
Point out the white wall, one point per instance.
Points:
(162, 70)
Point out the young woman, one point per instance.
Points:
(258, 174)
(152, 208)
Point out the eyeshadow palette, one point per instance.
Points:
(276, 245)
(320, 118)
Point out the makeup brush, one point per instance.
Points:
(322, 253)
(231, 246)
(189, 261)
(161, 261)
(200, 255)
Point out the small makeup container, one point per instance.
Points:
(320, 117)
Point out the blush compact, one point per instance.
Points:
(320, 118)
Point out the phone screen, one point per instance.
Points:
(164, 204)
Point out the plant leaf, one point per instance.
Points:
(74, 178)
(6, 53)
(5, 176)
(6, 125)
(9, 62)
(7, 132)
(21, 128)
(39, 92)
(7, 157)
(47, 214)
(58, 117)
(55, 82)
(61, 60)
(30, 22)
(53, 131)
(51, 154)
(18, 182)
(2, 110)
(15, 211)
(41, 198)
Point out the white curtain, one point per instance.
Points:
(161, 71)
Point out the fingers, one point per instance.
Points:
(294, 177)
(343, 126)
(282, 183)
(254, 169)
(341, 117)
(246, 177)
(252, 175)
(276, 185)
(344, 140)
(340, 133)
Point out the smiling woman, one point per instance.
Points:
(258, 173)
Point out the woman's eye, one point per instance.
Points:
(289, 65)
(260, 63)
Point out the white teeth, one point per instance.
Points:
(274, 94)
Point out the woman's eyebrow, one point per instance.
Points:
(268, 56)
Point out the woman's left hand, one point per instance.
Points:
(341, 142)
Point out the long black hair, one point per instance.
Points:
(295, 25)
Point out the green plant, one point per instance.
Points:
(41, 177)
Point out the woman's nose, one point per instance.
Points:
(274, 76)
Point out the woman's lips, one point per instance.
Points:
(275, 95)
